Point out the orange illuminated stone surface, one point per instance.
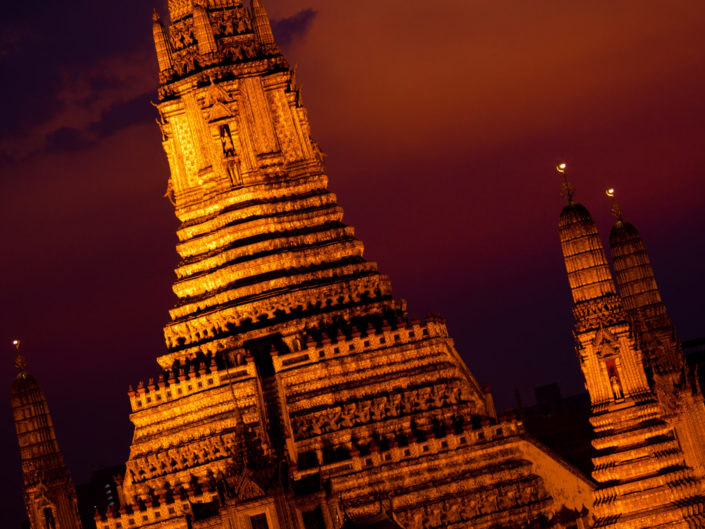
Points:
(296, 391)
(648, 414)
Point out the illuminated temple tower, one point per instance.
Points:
(664, 362)
(648, 462)
(49, 494)
(295, 391)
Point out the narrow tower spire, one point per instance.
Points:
(641, 297)
(633, 271)
(49, 494)
(20, 360)
(162, 44)
(616, 208)
(204, 30)
(567, 189)
(263, 27)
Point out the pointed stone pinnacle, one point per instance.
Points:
(20, 360)
(567, 188)
(616, 208)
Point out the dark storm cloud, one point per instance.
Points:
(44, 45)
(124, 114)
(45, 51)
(289, 29)
(67, 139)
(119, 116)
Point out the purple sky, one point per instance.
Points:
(442, 122)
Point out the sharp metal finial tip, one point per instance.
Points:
(567, 189)
(20, 361)
(616, 208)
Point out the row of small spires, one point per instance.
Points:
(198, 367)
(205, 37)
(207, 364)
(194, 487)
(568, 190)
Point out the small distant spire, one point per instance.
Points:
(155, 16)
(616, 208)
(567, 189)
(20, 360)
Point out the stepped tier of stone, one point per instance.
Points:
(272, 259)
(262, 241)
(359, 413)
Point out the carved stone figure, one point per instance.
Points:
(616, 388)
(226, 140)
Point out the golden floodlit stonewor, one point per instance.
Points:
(297, 393)
(647, 409)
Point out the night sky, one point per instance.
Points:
(442, 122)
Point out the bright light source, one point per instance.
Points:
(15, 342)
(561, 168)
(610, 192)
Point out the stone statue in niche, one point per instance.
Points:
(616, 387)
(226, 139)
(615, 383)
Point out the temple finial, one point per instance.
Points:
(567, 189)
(616, 208)
(20, 360)
(155, 15)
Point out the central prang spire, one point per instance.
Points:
(262, 241)
(286, 343)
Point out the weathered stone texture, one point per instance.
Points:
(647, 414)
(296, 391)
